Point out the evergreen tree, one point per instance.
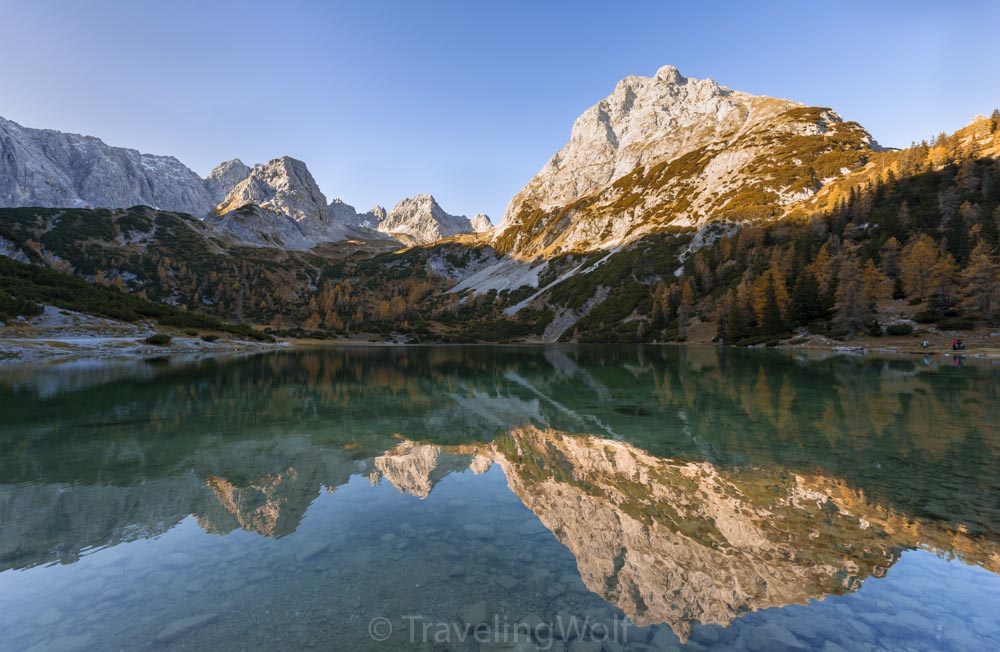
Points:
(771, 322)
(805, 302)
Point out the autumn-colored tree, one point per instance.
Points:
(311, 322)
(981, 283)
(849, 310)
(723, 315)
(875, 287)
(770, 282)
(919, 257)
(332, 321)
(943, 282)
(685, 307)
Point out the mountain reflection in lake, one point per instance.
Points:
(714, 499)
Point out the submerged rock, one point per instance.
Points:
(183, 626)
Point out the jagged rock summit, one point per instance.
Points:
(42, 167)
(420, 220)
(224, 177)
(279, 204)
(481, 223)
(347, 214)
(672, 150)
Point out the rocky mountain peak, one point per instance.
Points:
(282, 185)
(224, 177)
(481, 223)
(420, 220)
(670, 75)
(670, 149)
(279, 204)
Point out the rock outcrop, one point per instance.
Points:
(42, 167)
(670, 150)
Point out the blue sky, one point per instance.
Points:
(463, 100)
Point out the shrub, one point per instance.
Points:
(899, 329)
(926, 317)
(956, 323)
(159, 339)
(211, 337)
(191, 333)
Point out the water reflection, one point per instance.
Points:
(687, 487)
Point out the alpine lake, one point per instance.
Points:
(516, 498)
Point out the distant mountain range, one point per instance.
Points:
(41, 167)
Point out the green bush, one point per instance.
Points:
(159, 339)
(899, 329)
(210, 337)
(927, 317)
(12, 306)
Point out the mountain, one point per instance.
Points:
(221, 180)
(481, 223)
(420, 220)
(41, 167)
(279, 204)
(414, 220)
(347, 214)
(671, 150)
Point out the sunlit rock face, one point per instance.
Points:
(686, 543)
(224, 177)
(674, 150)
(420, 220)
(258, 506)
(415, 468)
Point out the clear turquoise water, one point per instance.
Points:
(659, 498)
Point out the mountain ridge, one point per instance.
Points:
(52, 169)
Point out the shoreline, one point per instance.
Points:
(59, 336)
(17, 352)
(63, 336)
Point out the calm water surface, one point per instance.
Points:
(456, 498)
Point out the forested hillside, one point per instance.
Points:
(921, 228)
